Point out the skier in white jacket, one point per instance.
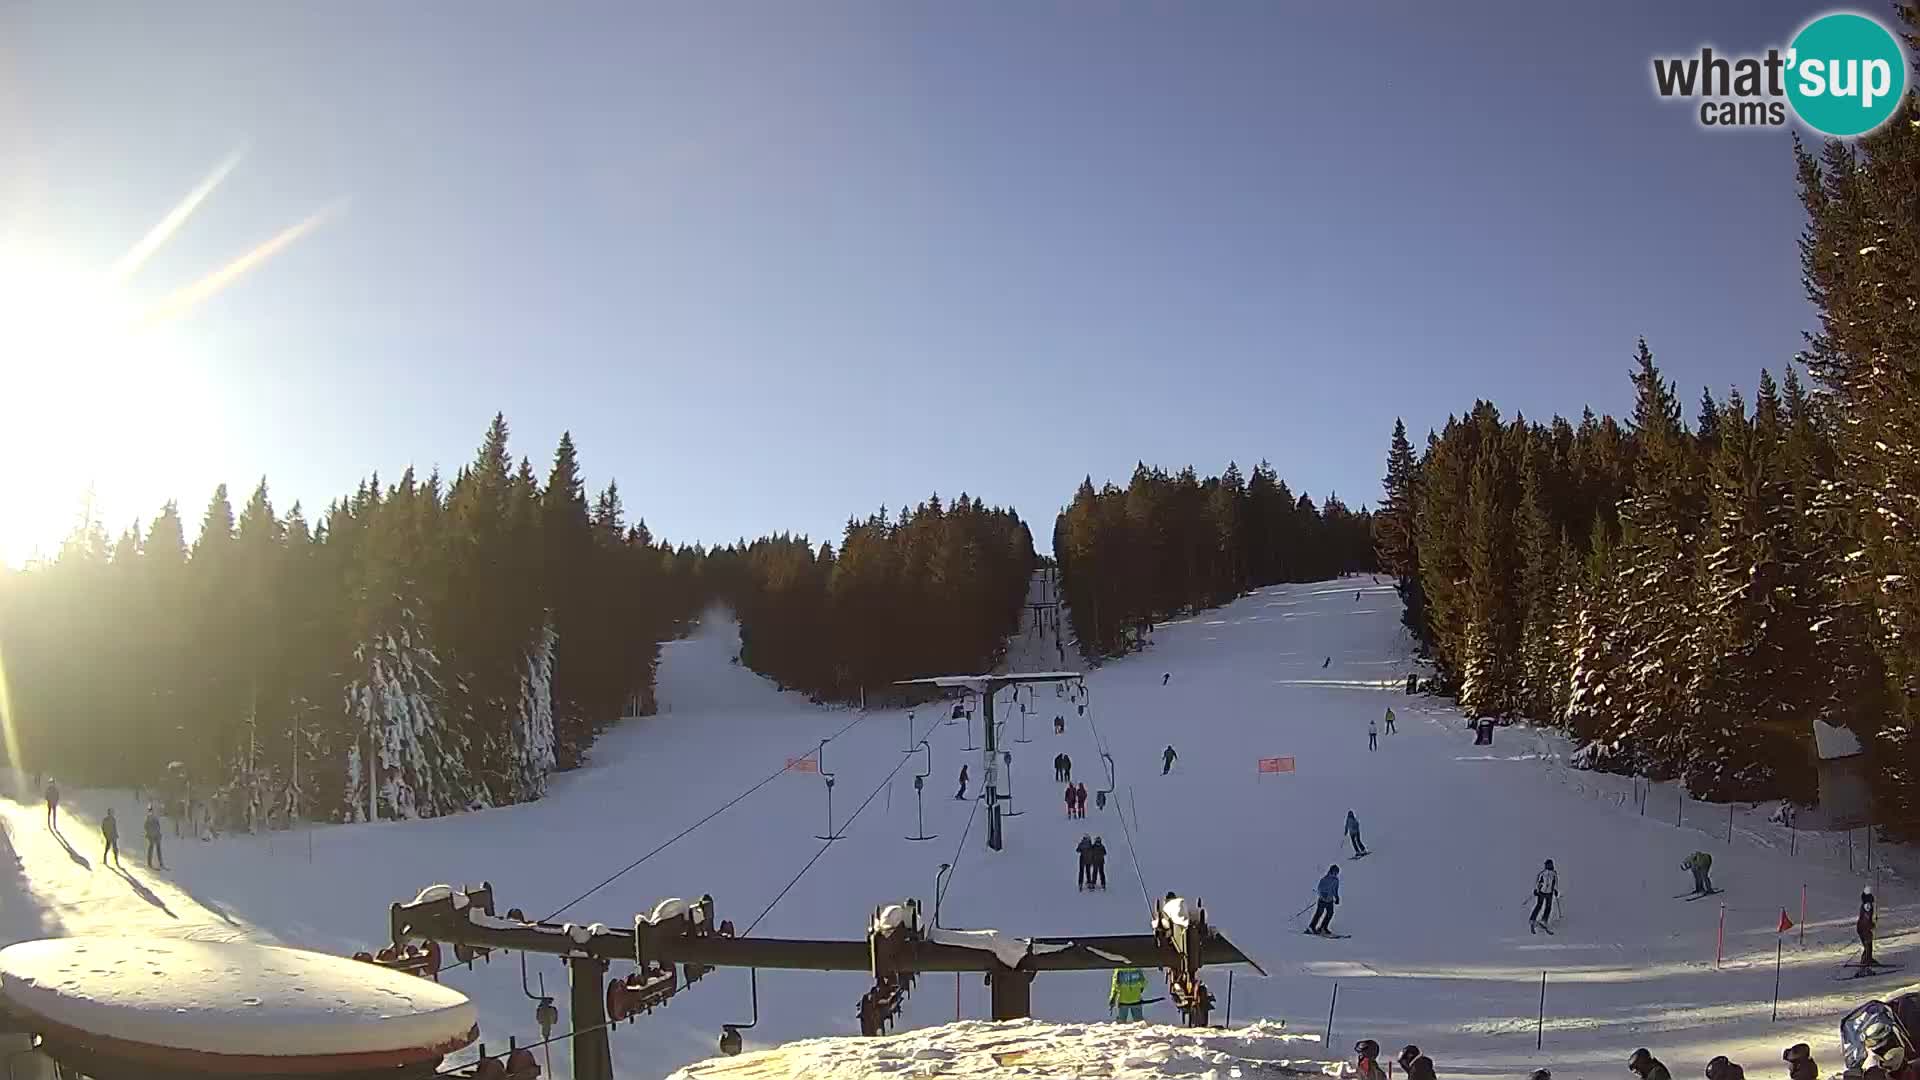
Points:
(1546, 886)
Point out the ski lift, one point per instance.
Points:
(1100, 796)
(730, 1042)
(919, 788)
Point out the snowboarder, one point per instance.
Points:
(1864, 926)
(1129, 986)
(1366, 1063)
(1353, 833)
(1546, 886)
(1097, 866)
(1647, 1067)
(1167, 759)
(1389, 721)
(1166, 678)
(1328, 898)
(53, 805)
(110, 833)
(1800, 1065)
(153, 840)
(962, 793)
(1373, 736)
(1699, 862)
(1085, 850)
(1722, 1069)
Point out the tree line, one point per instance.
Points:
(1171, 543)
(1687, 599)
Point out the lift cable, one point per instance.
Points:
(1133, 853)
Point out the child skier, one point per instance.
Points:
(1546, 886)
(1353, 833)
(1699, 862)
(1328, 898)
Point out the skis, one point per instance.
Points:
(1541, 926)
(1867, 972)
(1326, 934)
(1362, 855)
(1690, 897)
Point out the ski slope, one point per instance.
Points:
(1440, 953)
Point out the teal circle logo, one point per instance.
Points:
(1846, 74)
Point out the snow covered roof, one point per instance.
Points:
(979, 1048)
(1834, 742)
(230, 998)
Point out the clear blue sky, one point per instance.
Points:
(774, 264)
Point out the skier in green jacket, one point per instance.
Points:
(1129, 986)
(1699, 862)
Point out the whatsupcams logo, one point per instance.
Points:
(1843, 75)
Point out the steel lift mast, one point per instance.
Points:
(986, 686)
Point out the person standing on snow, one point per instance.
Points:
(1066, 767)
(1080, 800)
(1059, 770)
(962, 793)
(1700, 863)
(1324, 664)
(1097, 864)
(1366, 1064)
(1167, 759)
(1328, 893)
(1085, 850)
(1864, 925)
(1129, 986)
(1059, 724)
(1353, 833)
(1166, 678)
(153, 840)
(110, 833)
(1373, 736)
(1546, 886)
(53, 805)
(1389, 721)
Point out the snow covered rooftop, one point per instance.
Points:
(1031, 1048)
(232, 999)
(1834, 742)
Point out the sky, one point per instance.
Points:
(775, 265)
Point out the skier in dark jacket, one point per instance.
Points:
(1863, 925)
(1722, 1069)
(110, 832)
(1647, 1067)
(1066, 767)
(962, 793)
(1080, 800)
(1800, 1064)
(53, 804)
(1070, 801)
(1097, 864)
(1085, 850)
(153, 840)
(1167, 758)
(1327, 895)
(1421, 1068)
(1057, 774)
(1408, 1055)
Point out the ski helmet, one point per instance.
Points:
(1797, 1052)
(1549, 864)
(1640, 1061)
(1867, 889)
(1367, 1048)
(1334, 869)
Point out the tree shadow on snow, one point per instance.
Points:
(145, 893)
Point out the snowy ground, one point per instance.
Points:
(1440, 954)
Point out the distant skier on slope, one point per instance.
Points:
(53, 804)
(1389, 721)
(1166, 678)
(1327, 895)
(153, 840)
(1059, 724)
(1863, 925)
(1700, 863)
(962, 793)
(1324, 664)
(1097, 864)
(110, 833)
(1066, 767)
(1353, 833)
(1167, 759)
(1546, 886)
(1085, 850)
(1373, 736)
(1080, 800)
(1072, 797)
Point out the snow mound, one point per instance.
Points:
(220, 998)
(1033, 1049)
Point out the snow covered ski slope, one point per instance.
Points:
(1440, 952)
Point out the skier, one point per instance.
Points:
(1167, 759)
(1328, 893)
(1647, 1067)
(1066, 767)
(1085, 851)
(1097, 867)
(53, 805)
(153, 840)
(1356, 596)
(1546, 886)
(1722, 1069)
(1057, 774)
(1800, 1065)
(1166, 678)
(1408, 1055)
(1324, 664)
(1353, 833)
(1129, 986)
(962, 793)
(1699, 862)
(1080, 800)
(1059, 725)
(1373, 736)
(1389, 721)
(1071, 799)
(110, 832)
(1366, 1064)
(1864, 926)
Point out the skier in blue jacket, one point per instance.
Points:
(1353, 833)
(1329, 893)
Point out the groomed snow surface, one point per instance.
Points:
(1440, 954)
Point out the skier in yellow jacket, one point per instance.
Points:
(1129, 986)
